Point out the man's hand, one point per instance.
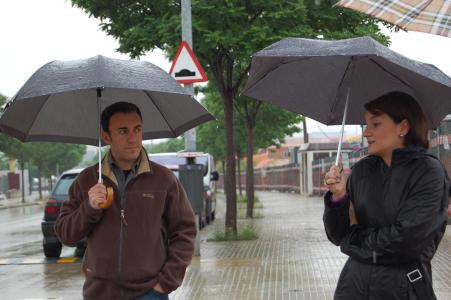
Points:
(97, 195)
(158, 288)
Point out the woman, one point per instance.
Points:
(390, 214)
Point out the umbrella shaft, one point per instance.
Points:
(342, 127)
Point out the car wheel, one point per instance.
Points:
(52, 250)
(79, 251)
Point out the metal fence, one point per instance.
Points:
(287, 177)
(321, 166)
(438, 146)
(281, 178)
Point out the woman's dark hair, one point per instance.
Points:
(401, 106)
(123, 107)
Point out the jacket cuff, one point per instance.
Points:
(165, 284)
(337, 202)
(93, 215)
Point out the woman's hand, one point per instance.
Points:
(335, 180)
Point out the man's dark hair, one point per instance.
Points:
(401, 106)
(118, 107)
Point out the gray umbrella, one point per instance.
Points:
(58, 103)
(62, 101)
(317, 78)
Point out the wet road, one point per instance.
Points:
(24, 271)
(291, 259)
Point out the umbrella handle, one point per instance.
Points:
(340, 142)
(109, 198)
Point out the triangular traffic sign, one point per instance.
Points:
(185, 66)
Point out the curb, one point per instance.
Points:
(21, 205)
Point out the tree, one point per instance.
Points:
(268, 125)
(49, 157)
(171, 145)
(265, 125)
(3, 99)
(14, 149)
(225, 35)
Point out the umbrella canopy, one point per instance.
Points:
(430, 16)
(315, 77)
(61, 103)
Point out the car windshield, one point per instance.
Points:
(63, 185)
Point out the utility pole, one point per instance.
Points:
(190, 135)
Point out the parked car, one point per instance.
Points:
(60, 193)
(172, 160)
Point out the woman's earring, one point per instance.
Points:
(401, 135)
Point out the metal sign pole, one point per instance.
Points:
(190, 135)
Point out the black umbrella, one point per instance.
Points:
(62, 101)
(319, 78)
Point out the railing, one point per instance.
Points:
(321, 166)
(281, 178)
(287, 177)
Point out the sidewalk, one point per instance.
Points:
(292, 259)
(32, 199)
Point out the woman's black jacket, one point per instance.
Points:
(401, 212)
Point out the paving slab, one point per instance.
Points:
(291, 259)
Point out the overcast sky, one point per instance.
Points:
(36, 32)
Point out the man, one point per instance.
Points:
(140, 246)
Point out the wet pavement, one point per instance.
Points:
(291, 259)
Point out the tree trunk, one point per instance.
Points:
(50, 183)
(22, 166)
(223, 173)
(250, 170)
(30, 179)
(230, 183)
(238, 172)
(40, 183)
(304, 130)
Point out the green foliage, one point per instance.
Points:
(246, 234)
(95, 159)
(243, 199)
(225, 35)
(273, 124)
(211, 135)
(3, 99)
(48, 157)
(171, 145)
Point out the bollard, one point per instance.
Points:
(197, 240)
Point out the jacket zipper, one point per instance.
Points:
(123, 218)
(120, 259)
(121, 235)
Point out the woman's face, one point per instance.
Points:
(384, 135)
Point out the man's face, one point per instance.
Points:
(125, 138)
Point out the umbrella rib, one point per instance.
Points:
(351, 60)
(388, 72)
(34, 119)
(161, 113)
